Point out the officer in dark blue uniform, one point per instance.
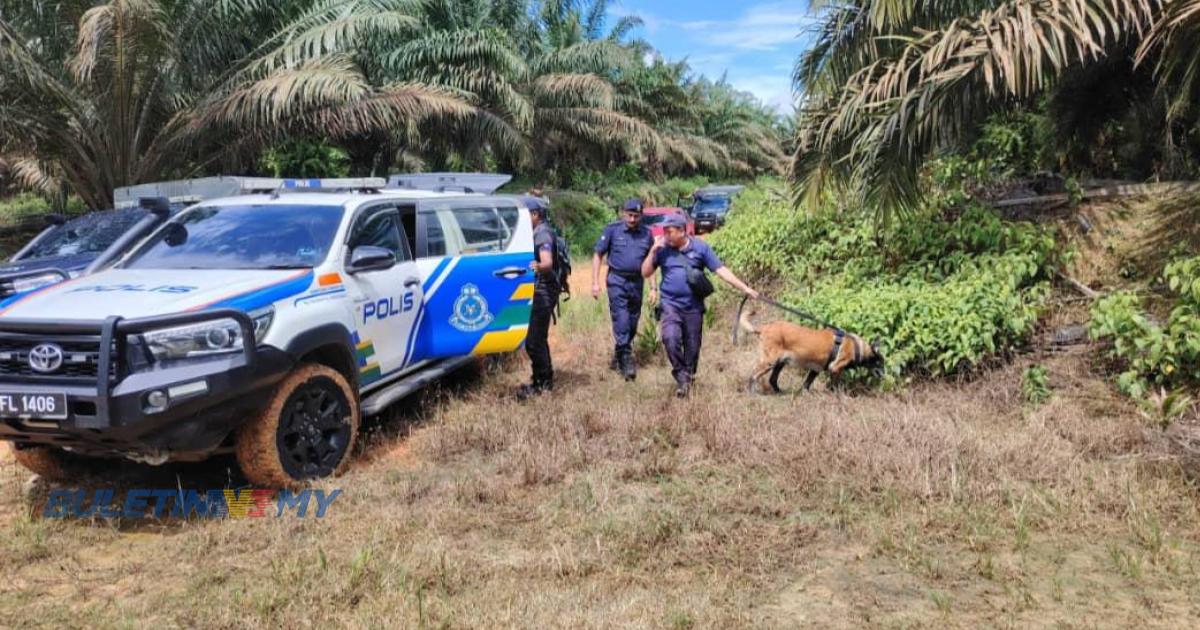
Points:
(682, 321)
(625, 243)
(545, 299)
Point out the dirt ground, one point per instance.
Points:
(613, 505)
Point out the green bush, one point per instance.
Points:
(16, 209)
(580, 218)
(306, 158)
(1035, 385)
(1152, 354)
(938, 294)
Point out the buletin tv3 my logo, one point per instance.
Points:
(177, 503)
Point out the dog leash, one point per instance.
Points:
(783, 307)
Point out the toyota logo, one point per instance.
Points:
(46, 358)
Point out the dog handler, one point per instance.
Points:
(682, 322)
(625, 243)
(545, 298)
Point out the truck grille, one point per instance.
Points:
(81, 356)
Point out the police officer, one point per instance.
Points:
(545, 298)
(682, 321)
(625, 243)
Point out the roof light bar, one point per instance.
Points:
(477, 183)
(190, 191)
(342, 183)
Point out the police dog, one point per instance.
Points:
(782, 342)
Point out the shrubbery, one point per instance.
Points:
(1154, 355)
(18, 208)
(938, 294)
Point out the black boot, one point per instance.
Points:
(536, 388)
(683, 389)
(628, 366)
(615, 364)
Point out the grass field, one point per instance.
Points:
(613, 505)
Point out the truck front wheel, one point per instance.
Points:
(306, 431)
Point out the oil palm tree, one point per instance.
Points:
(149, 89)
(542, 80)
(890, 83)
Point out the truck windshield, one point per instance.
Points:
(713, 204)
(242, 237)
(88, 234)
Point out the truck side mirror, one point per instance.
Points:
(370, 258)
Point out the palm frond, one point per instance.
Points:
(1175, 36)
(116, 21)
(286, 94)
(573, 90)
(391, 107)
(597, 57)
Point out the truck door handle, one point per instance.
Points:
(511, 272)
(411, 282)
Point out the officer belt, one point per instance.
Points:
(628, 275)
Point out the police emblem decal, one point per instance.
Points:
(470, 310)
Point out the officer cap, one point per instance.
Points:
(633, 205)
(674, 220)
(537, 205)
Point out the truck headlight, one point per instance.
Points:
(212, 338)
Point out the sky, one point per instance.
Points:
(754, 43)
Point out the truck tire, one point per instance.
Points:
(306, 432)
(51, 464)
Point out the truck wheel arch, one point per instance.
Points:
(331, 345)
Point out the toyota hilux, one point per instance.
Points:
(265, 326)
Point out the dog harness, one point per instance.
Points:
(839, 336)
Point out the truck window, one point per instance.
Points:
(480, 229)
(435, 235)
(511, 217)
(380, 229)
(89, 234)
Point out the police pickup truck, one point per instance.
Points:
(263, 325)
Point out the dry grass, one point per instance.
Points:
(611, 505)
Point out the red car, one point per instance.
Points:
(653, 218)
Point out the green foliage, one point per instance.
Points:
(22, 206)
(938, 294)
(306, 158)
(1035, 385)
(1014, 143)
(647, 342)
(580, 218)
(1154, 356)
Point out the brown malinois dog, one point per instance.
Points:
(831, 350)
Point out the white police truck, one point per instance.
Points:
(264, 325)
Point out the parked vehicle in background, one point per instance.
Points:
(68, 248)
(711, 204)
(654, 217)
(266, 326)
